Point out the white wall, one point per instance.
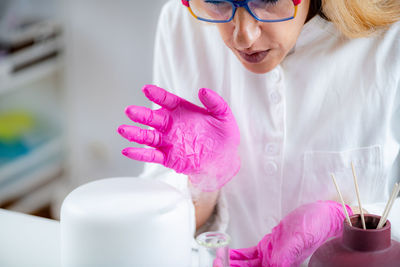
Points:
(12, 10)
(109, 47)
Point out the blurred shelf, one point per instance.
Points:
(29, 75)
(27, 172)
(39, 198)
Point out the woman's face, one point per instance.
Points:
(261, 46)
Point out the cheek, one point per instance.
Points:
(281, 36)
(226, 31)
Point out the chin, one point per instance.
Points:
(260, 68)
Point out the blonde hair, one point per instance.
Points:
(360, 18)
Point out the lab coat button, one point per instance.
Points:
(275, 98)
(270, 168)
(275, 76)
(271, 149)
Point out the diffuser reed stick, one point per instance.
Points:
(341, 199)
(358, 196)
(389, 205)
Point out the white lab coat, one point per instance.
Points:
(331, 102)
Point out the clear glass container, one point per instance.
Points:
(213, 249)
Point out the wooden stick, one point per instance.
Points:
(341, 199)
(389, 204)
(358, 196)
(391, 201)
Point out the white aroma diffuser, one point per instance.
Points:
(131, 222)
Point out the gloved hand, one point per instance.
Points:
(199, 142)
(295, 238)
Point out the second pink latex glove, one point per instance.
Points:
(199, 142)
(295, 238)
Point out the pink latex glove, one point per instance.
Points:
(295, 238)
(199, 142)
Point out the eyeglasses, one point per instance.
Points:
(221, 11)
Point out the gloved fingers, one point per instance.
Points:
(153, 118)
(144, 154)
(244, 253)
(218, 263)
(221, 259)
(142, 136)
(246, 263)
(161, 96)
(214, 103)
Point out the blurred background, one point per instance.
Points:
(68, 69)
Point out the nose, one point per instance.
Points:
(247, 29)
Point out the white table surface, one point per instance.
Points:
(30, 241)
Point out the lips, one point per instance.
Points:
(254, 57)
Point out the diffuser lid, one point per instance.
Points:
(121, 196)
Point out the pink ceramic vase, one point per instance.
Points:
(358, 247)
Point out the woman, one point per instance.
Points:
(312, 87)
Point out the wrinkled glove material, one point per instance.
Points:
(295, 238)
(199, 142)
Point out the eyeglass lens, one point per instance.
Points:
(222, 10)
